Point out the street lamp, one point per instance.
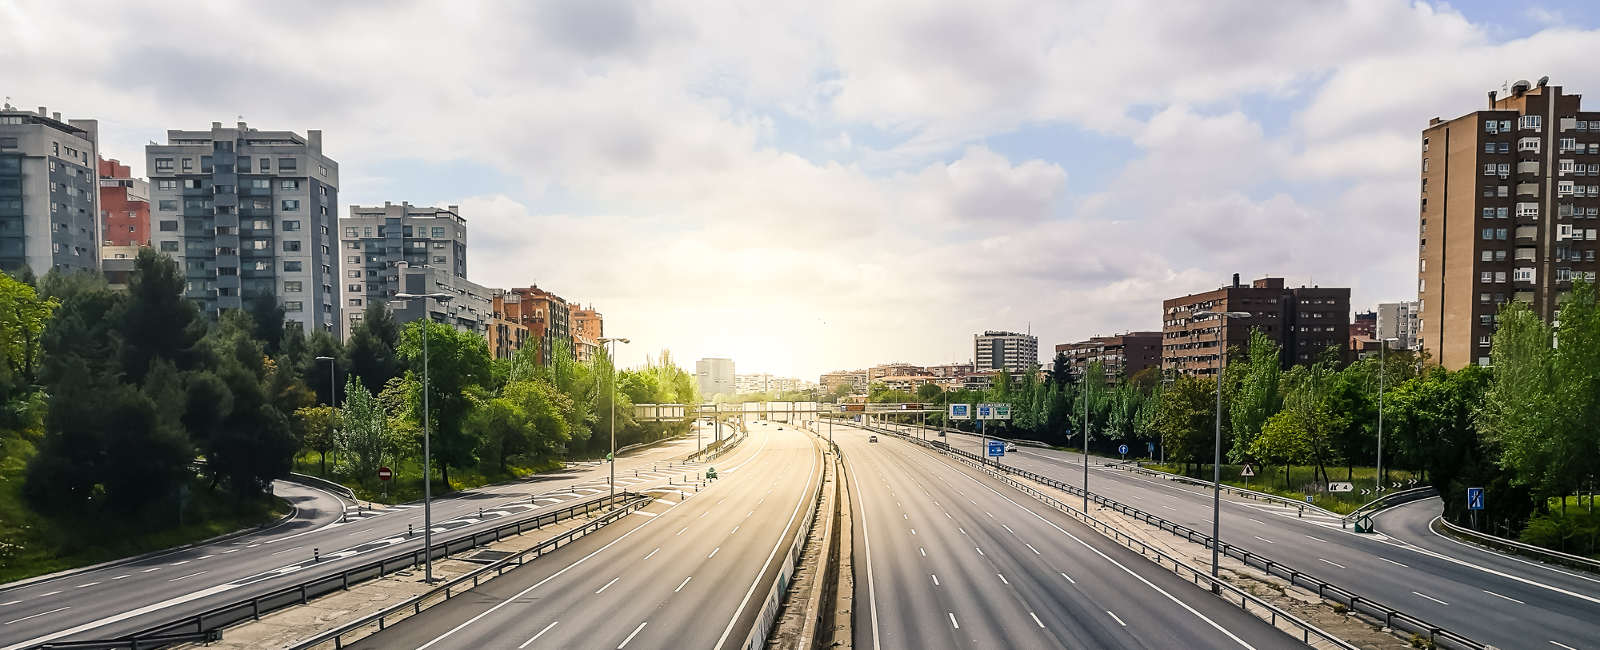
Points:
(427, 468)
(1216, 458)
(1383, 347)
(613, 455)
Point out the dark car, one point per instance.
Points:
(872, 438)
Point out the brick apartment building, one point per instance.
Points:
(1305, 321)
(1123, 355)
(1510, 210)
(124, 206)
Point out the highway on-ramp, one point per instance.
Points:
(691, 571)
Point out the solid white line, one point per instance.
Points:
(37, 615)
(1003, 578)
(1119, 621)
(1430, 598)
(1568, 647)
(1036, 620)
(713, 552)
(681, 584)
(953, 622)
(536, 636)
(608, 584)
(1394, 562)
(630, 636)
(786, 528)
(1069, 578)
(652, 553)
(935, 579)
(1333, 563)
(1505, 597)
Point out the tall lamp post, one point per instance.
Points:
(1382, 376)
(1216, 458)
(427, 452)
(613, 455)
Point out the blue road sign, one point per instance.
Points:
(1150, 447)
(1122, 449)
(960, 411)
(985, 411)
(1474, 498)
(997, 448)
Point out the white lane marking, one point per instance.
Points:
(1394, 562)
(1505, 597)
(1036, 620)
(680, 532)
(187, 576)
(9, 603)
(979, 550)
(713, 552)
(52, 593)
(652, 553)
(147, 570)
(536, 636)
(38, 615)
(866, 540)
(947, 516)
(1069, 578)
(1264, 539)
(1563, 645)
(1118, 620)
(735, 530)
(1168, 507)
(1507, 575)
(1008, 529)
(1333, 563)
(641, 512)
(923, 551)
(1003, 578)
(1031, 548)
(1430, 598)
(1256, 520)
(991, 516)
(630, 636)
(935, 579)
(1318, 539)
(120, 577)
(231, 550)
(913, 531)
(963, 530)
(608, 584)
(91, 584)
(905, 516)
(681, 584)
(953, 622)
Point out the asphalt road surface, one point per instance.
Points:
(125, 597)
(691, 571)
(1504, 601)
(946, 557)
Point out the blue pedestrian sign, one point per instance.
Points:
(1474, 498)
(1122, 449)
(997, 448)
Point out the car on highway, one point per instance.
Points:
(872, 438)
(1011, 449)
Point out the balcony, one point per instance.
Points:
(1528, 189)
(1528, 167)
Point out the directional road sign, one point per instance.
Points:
(1341, 486)
(1474, 498)
(997, 448)
(960, 411)
(1122, 449)
(985, 411)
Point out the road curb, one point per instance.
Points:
(67, 573)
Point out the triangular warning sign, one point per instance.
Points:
(1247, 471)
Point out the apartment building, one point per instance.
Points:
(958, 369)
(1122, 355)
(1011, 351)
(1305, 321)
(855, 379)
(49, 191)
(1509, 210)
(124, 207)
(894, 369)
(470, 308)
(587, 327)
(546, 316)
(1398, 320)
(715, 376)
(431, 242)
(509, 328)
(766, 383)
(250, 214)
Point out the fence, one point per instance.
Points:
(459, 585)
(1391, 617)
(205, 624)
(1514, 546)
(323, 483)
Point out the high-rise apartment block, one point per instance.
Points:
(855, 379)
(1304, 321)
(546, 317)
(1398, 320)
(1510, 210)
(715, 376)
(587, 327)
(124, 206)
(431, 242)
(49, 192)
(250, 214)
(1012, 351)
(1123, 355)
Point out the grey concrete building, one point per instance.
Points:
(49, 191)
(374, 240)
(1012, 351)
(1398, 320)
(249, 214)
(715, 376)
(470, 309)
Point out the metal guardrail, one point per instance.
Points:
(1230, 489)
(317, 481)
(301, 593)
(1522, 548)
(712, 453)
(457, 586)
(1388, 501)
(1391, 617)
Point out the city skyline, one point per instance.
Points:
(635, 154)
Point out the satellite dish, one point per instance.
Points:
(1544, 80)
(1521, 86)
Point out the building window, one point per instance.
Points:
(292, 286)
(260, 244)
(163, 164)
(352, 274)
(291, 225)
(293, 305)
(291, 267)
(289, 165)
(1530, 122)
(353, 259)
(166, 184)
(289, 185)
(291, 245)
(290, 205)
(167, 205)
(169, 226)
(1488, 234)
(352, 233)
(1488, 169)
(169, 247)
(355, 302)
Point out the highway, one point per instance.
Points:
(124, 597)
(691, 571)
(946, 557)
(1490, 597)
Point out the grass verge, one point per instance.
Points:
(1300, 482)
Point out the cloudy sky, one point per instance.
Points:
(825, 185)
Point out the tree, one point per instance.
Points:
(362, 435)
(1435, 428)
(316, 374)
(504, 429)
(372, 347)
(23, 316)
(457, 361)
(251, 443)
(158, 322)
(1282, 441)
(268, 316)
(1257, 398)
(1306, 412)
(1184, 420)
(315, 427)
